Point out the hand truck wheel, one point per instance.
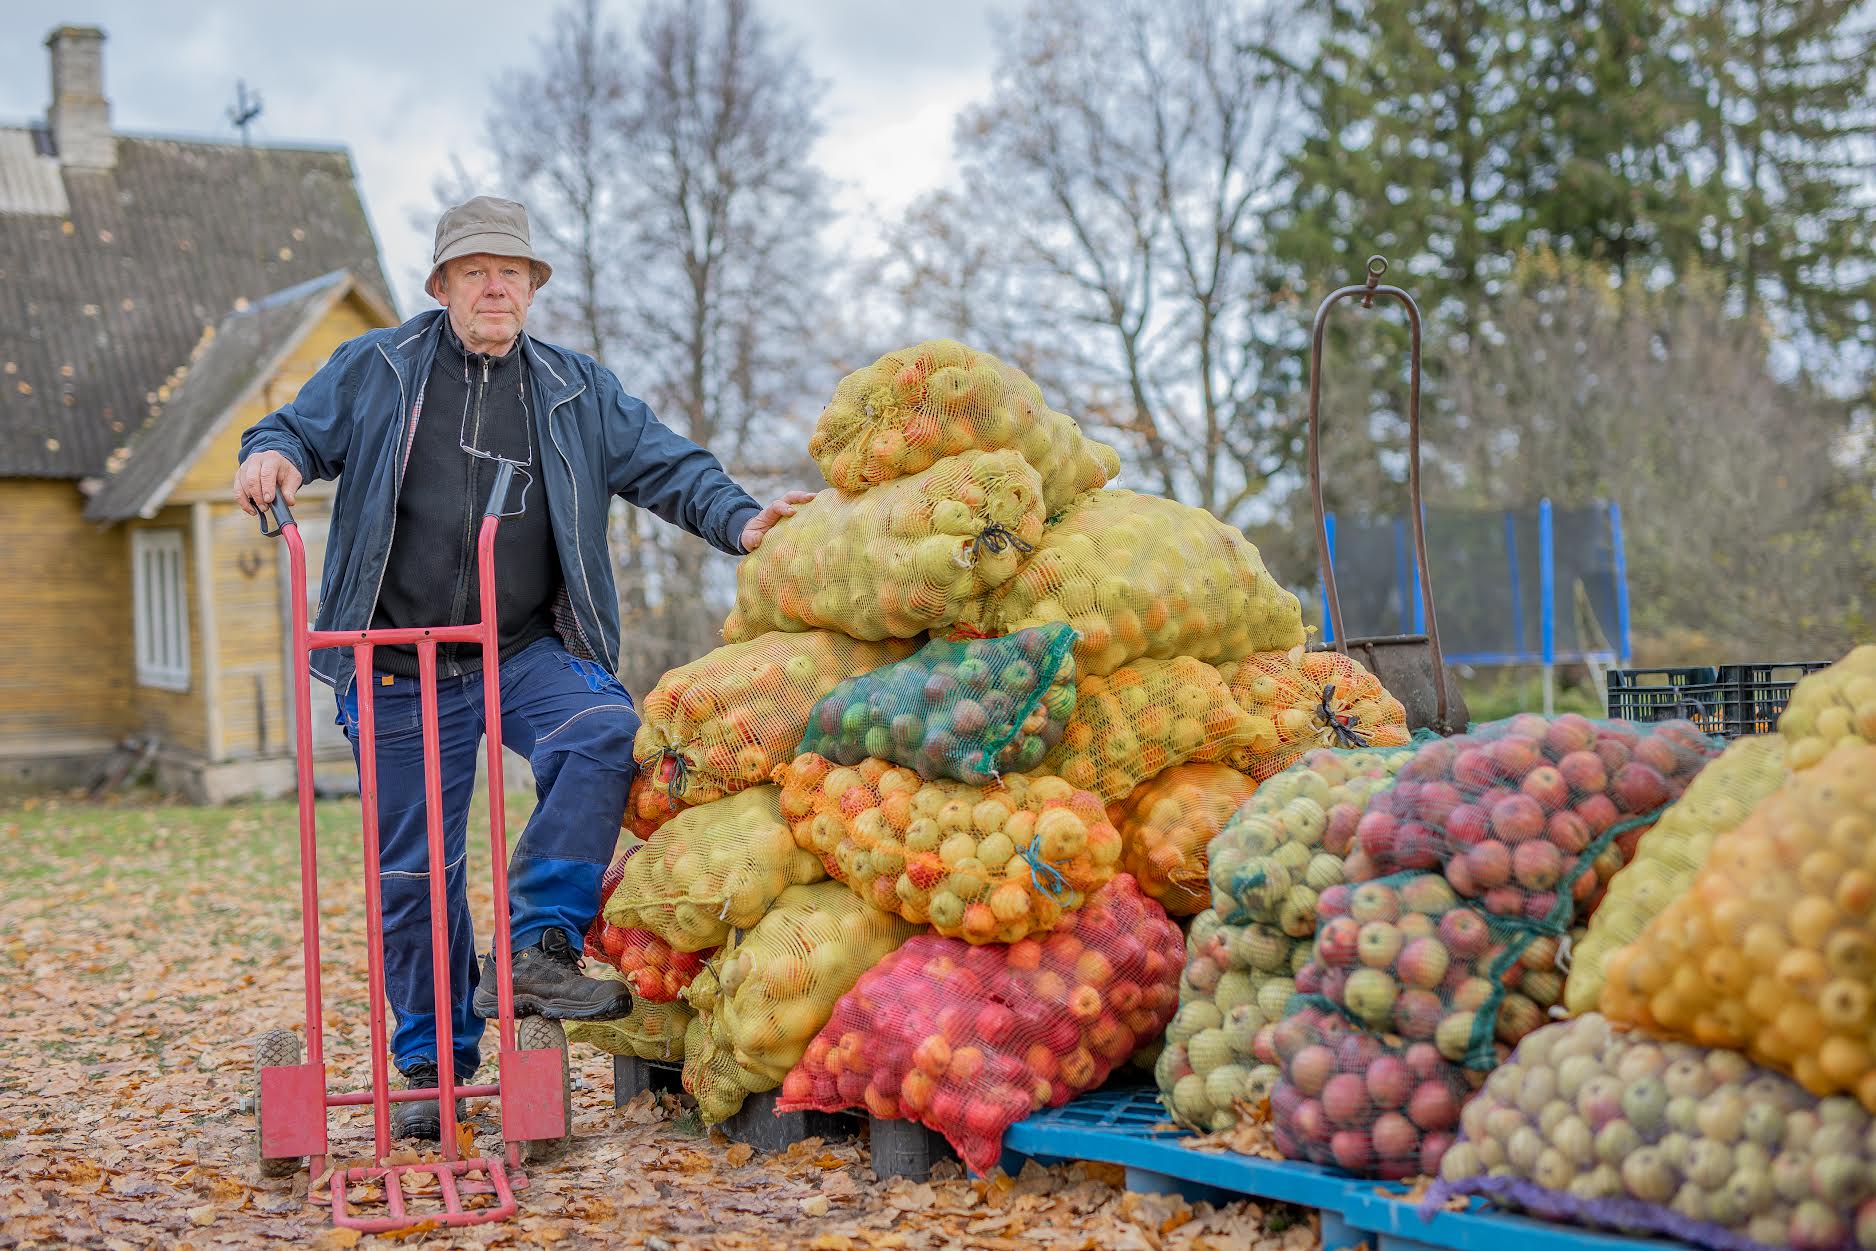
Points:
(275, 1048)
(537, 1033)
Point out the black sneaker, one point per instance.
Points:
(421, 1118)
(548, 983)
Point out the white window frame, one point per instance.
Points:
(160, 608)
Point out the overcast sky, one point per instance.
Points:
(404, 85)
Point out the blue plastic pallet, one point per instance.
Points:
(1124, 1127)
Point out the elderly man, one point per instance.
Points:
(413, 423)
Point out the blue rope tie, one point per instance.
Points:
(1043, 875)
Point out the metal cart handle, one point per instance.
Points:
(1377, 266)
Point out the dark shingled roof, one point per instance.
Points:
(99, 308)
(242, 353)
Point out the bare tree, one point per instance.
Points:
(1747, 506)
(670, 186)
(1120, 170)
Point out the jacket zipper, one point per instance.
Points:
(459, 606)
(397, 485)
(578, 552)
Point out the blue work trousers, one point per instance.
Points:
(574, 723)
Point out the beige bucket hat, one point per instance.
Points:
(485, 224)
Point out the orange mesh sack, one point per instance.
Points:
(711, 870)
(1298, 700)
(1773, 950)
(905, 411)
(1142, 719)
(917, 554)
(1670, 854)
(1836, 705)
(1137, 576)
(1166, 826)
(727, 719)
(989, 864)
(969, 1040)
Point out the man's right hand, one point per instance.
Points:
(260, 476)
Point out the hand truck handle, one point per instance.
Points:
(283, 516)
(498, 497)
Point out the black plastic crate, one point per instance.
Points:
(1727, 701)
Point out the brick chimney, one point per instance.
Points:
(80, 116)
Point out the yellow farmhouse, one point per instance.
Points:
(156, 296)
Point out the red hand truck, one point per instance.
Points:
(291, 1097)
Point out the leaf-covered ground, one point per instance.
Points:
(144, 946)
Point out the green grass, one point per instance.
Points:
(1495, 693)
(141, 841)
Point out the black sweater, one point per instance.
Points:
(431, 577)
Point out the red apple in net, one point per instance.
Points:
(1433, 1149)
(1467, 826)
(1416, 846)
(1395, 1137)
(1339, 834)
(1433, 1105)
(1536, 866)
(1345, 1100)
(1639, 788)
(1517, 819)
(1489, 864)
(1376, 834)
(1613, 753)
(1350, 1150)
(1569, 733)
(1547, 786)
(1474, 768)
(1311, 1068)
(1584, 772)
(1312, 1123)
(1388, 1082)
(1417, 1013)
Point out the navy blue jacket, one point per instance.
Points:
(353, 421)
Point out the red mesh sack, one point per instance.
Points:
(969, 1040)
(654, 971)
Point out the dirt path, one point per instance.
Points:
(143, 947)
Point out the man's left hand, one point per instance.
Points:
(764, 521)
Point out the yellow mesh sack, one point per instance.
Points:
(779, 982)
(917, 554)
(910, 408)
(712, 1076)
(1671, 853)
(1773, 949)
(711, 870)
(1142, 719)
(1834, 705)
(1137, 576)
(651, 1031)
(1166, 827)
(985, 864)
(727, 719)
(1298, 700)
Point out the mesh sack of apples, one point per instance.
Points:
(1834, 705)
(771, 989)
(1299, 700)
(1510, 833)
(916, 554)
(1143, 718)
(966, 709)
(726, 720)
(1670, 854)
(969, 1040)
(986, 864)
(1281, 850)
(912, 407)
(1167, 825)
(1238, 980)
(1139, 576)
(650, 1031)
(648, 964)
(1603, 1127)
(711, 870)
(1288, 843)
(1772, 949)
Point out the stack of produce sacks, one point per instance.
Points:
(1465, 880)
(1590, 1124)
(1268, 870)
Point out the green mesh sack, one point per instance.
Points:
(967, 709)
